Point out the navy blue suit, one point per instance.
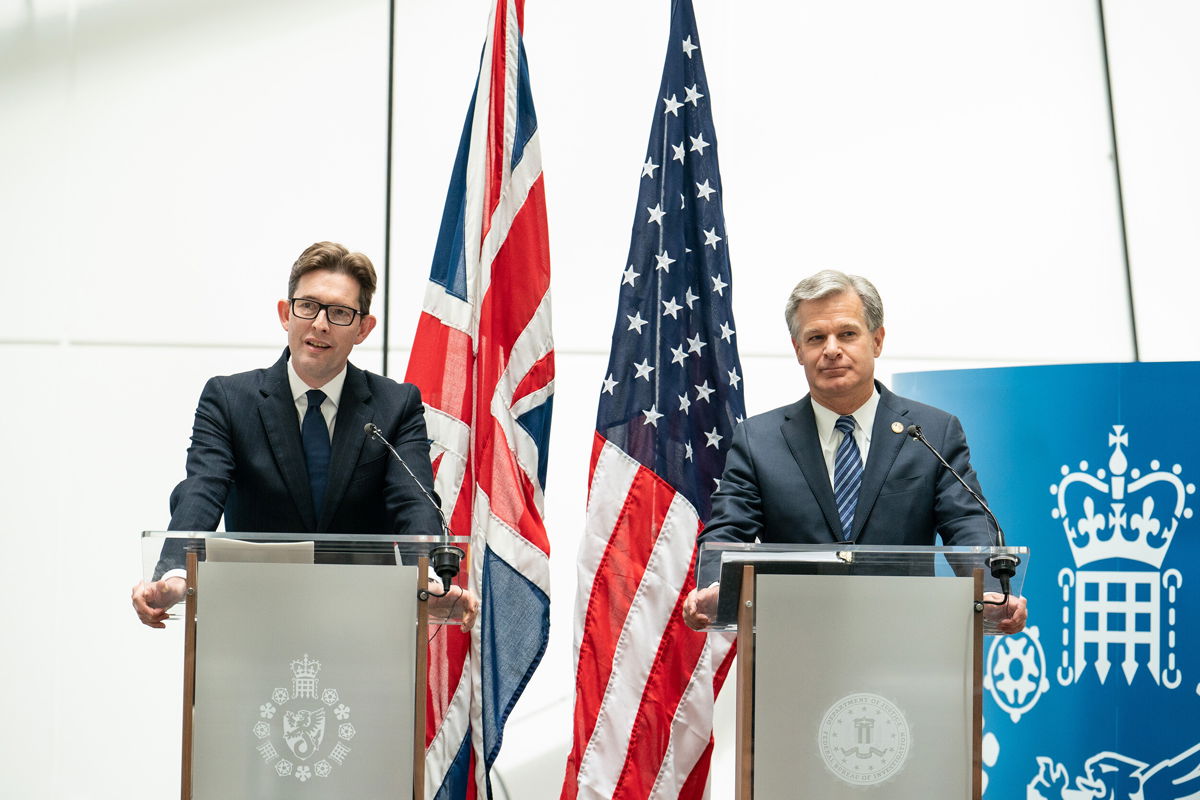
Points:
(776, 486)
(246, 461)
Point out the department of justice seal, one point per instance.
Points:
(863, 739)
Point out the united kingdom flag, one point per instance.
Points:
(483, 357)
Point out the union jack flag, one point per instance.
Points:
(483, 357)
(645, 683)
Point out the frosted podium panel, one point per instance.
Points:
(864, 687)
(304, 681)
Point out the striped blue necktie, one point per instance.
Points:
(847, 475)
(314, 435)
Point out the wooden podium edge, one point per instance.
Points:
(189, 678)
(421, 681)
(977, 695)
(744, 748)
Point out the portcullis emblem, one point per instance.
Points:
(300, 746)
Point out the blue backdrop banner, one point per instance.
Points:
(1094, 467)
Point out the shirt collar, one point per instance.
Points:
(332, 389)
(864, 418)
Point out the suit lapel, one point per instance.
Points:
(885, 446)
(799, 430)
(354, 411)
(277, 409)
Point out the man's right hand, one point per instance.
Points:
(151, 600)
(700, 607)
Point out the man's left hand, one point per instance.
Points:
(1008, 618)
(450, 603)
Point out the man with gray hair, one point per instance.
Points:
(838, 465)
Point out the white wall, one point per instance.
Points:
(161, 165)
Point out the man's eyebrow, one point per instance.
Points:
(840, 325)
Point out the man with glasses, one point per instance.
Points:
(282, 449)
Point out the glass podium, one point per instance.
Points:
(305, 659)
(868, 660)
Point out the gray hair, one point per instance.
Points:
(828, 282)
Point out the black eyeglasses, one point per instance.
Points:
(337, 315)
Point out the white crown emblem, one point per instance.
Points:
(1118, 512)
(1125, 515)
(305, 667)
(298, 746)
(304, 677)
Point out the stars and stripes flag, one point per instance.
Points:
(645, 683)
(483, 357)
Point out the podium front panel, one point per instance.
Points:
(304, 681)
(863, 687)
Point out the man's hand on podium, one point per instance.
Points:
(1008, 618)
(453, 601)
(700, 607)
(152, 599)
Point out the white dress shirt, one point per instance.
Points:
(333, 395)
(831, 437)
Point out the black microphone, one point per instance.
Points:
(445, 557)
(1003, 565)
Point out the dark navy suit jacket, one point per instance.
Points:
(246, 461)
(776, 486)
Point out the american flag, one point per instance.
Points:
(483, 357)
(672, 394)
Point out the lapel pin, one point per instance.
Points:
(897, 427)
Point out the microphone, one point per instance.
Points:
(1003, 565)
(445, 557)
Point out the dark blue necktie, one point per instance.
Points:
(847, 475)
(314, 434)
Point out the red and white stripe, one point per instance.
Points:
(480, 364)
(648, 721)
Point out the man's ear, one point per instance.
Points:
(285, 313)
(365, 326)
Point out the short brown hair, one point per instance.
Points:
(336, 258)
